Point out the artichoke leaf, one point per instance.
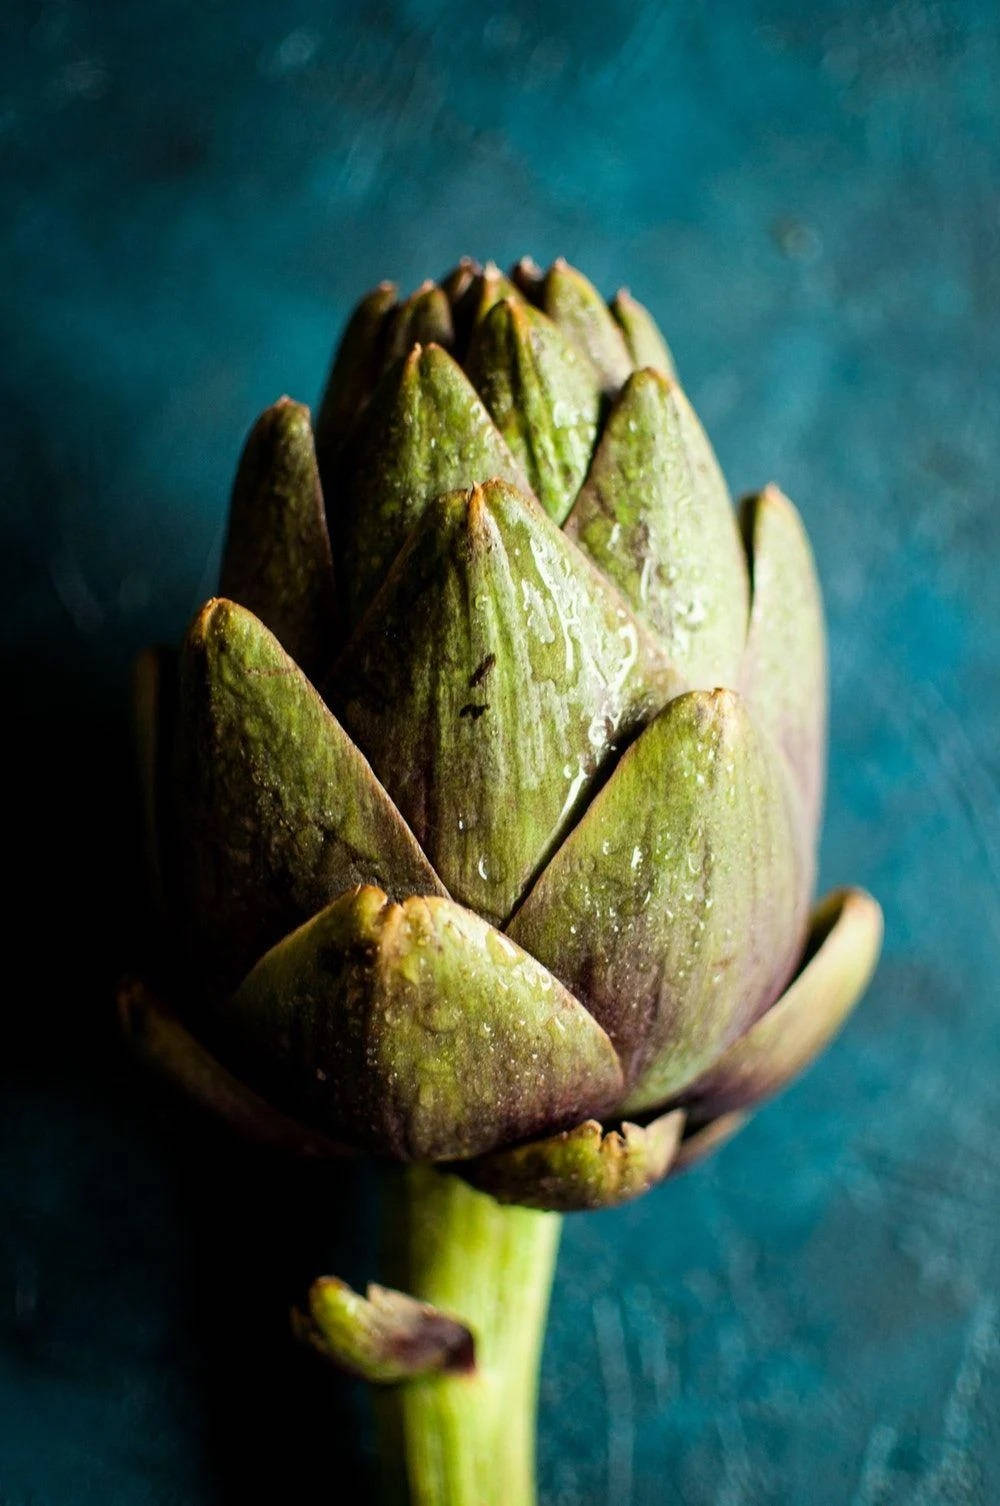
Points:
(457, 283)
(582, 1168)
(276, 560)
(655, 516)
(426, 432)
(646, 345)
(383, 1337)
(544, 395)
(278, 810)
(672, 910)
(491, 677)
(492, 287)
(422, 319)
(574, 304)
(784, 668)
(841, 952)
(472, 291)
(460, 286)
(417, 1031)
(357, 366)
(529, 279)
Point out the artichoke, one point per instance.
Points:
(483, 802)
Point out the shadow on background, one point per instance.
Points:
(144, 1237)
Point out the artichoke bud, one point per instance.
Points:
(486, 803)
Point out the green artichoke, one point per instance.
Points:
(530, 851)
(484, 800)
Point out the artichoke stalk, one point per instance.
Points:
(482, 810)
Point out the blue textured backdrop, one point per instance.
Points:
(807, 196)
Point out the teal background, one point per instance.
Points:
(192, 197)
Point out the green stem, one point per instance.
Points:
(469, 1439)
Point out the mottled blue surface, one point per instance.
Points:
(807, 195)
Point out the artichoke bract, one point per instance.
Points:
(483, 802)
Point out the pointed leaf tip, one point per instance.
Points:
(357, 365)
(277, 560)
(544, 395)
(655, 516)
(784, 673)
(646, 345)
(426, 432)
(422, 319)
(574, 304)
(529, 278)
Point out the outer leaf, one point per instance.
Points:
(163, 1043)
(383, 1337)
(544, 395)
(425, 433)
(422, 318)
(279, 810)
(646, 345)
(277, 556)
(843, 947)
(656, 518)
(672, 909)
(576, 306)
(356, 368)
(491, 677)
(581, 1168)
(418, 1031)
(784, 671)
